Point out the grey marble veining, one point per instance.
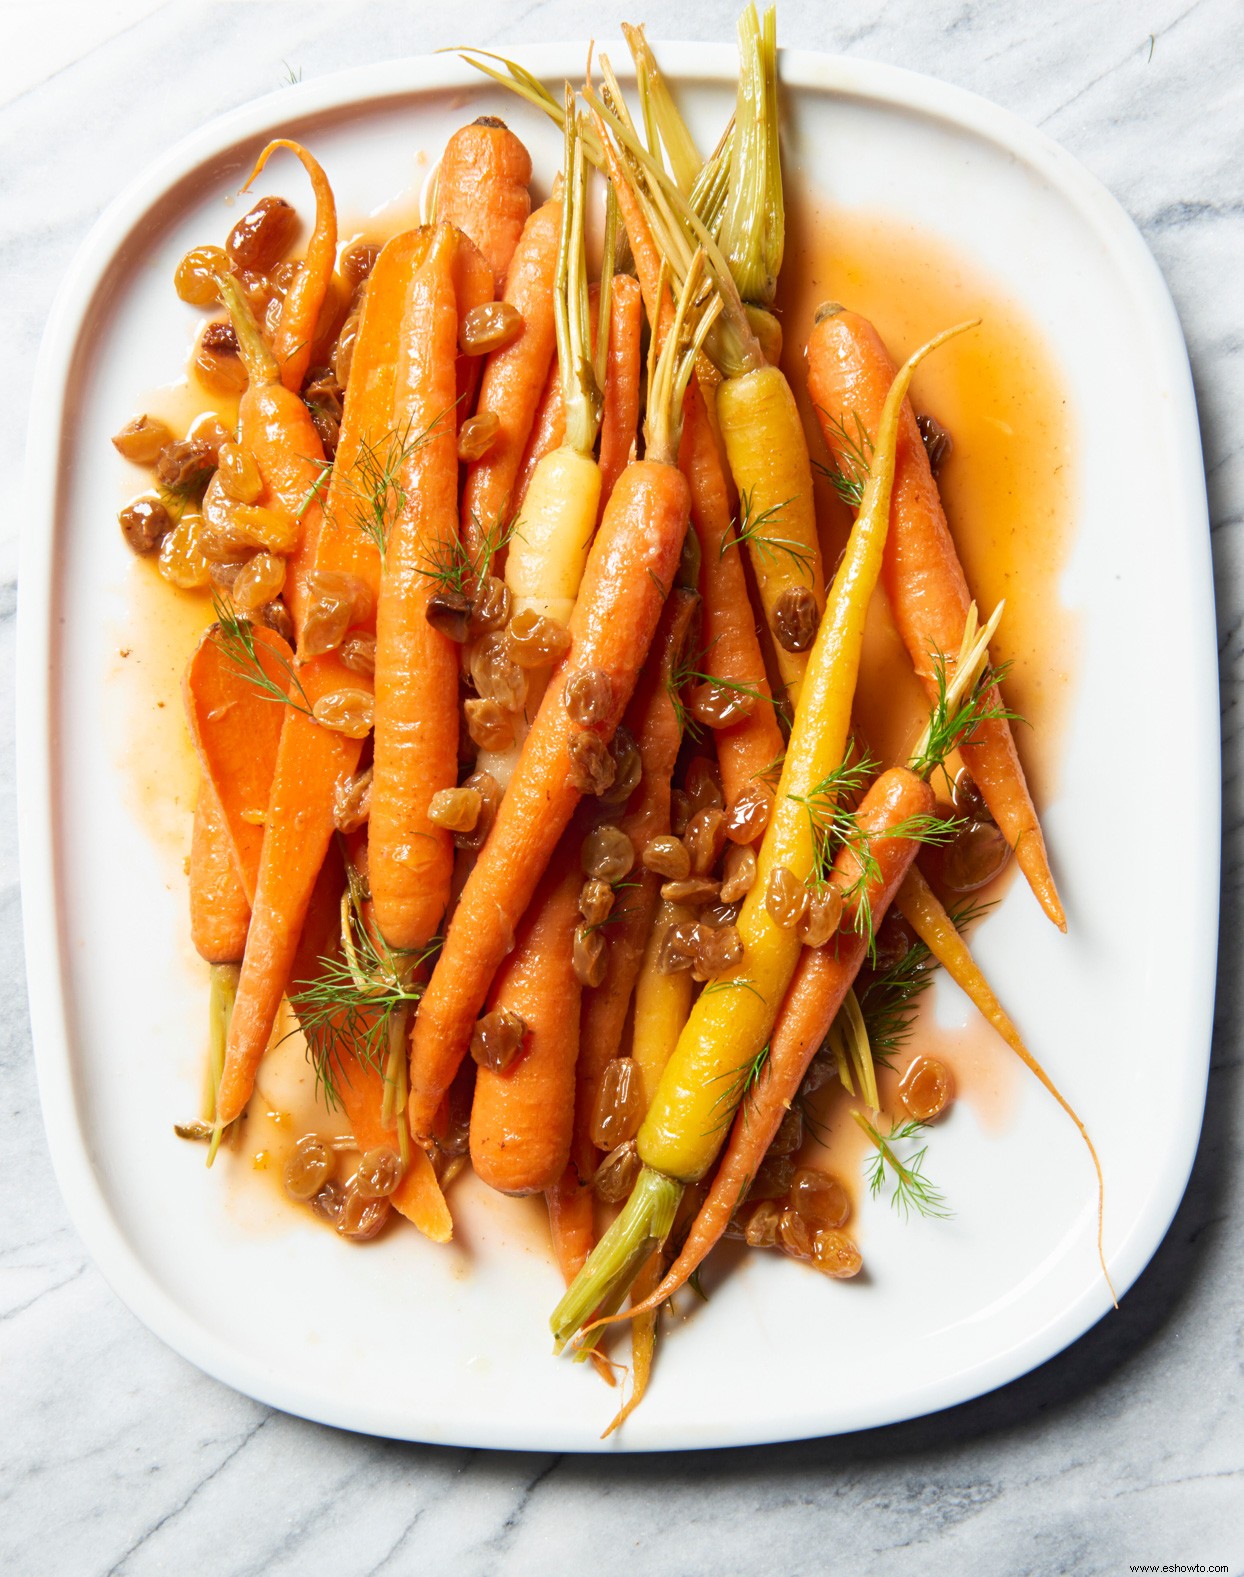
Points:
(117, 1456)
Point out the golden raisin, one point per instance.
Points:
(589, 696)
(185, 466)
(182, 563)
(786, 898)
(535, 641)
(239, 475)
(975, 857)
(628, 767)
(749, 813)
(142, 439)
(739, 873)
(835, 1254)
(358, 654)
(680, 812)
(488, 327)
(668, 857)
(718, 948)
(449, 613)
(616, 1174)
(219, 371)
(210, 434)
(361, 1218)
(967, 799)
(489, 725)
(477, 435)
(618, 1112)
(795, 1236)
(268, 528)
(926, 1088)
(819, 1198)
(455, 809)
(703, 785)
(379, 1172)
(595, 901)
(259, 582)
(490, 606)
(349, 712)
(496, 1039)
(820, 919)
(495, 674)
(144, 524)
(607, 852)
(357, 262)
(262, 236)
(591, 766)
(773, 1178)
(705, 837)
(588, 955)
(678, 948)
(694, 890)
(335, 602)
(352, 802)
(795, 619)
(489, 791)
(276, 616)
(197, 274)
(307, 1168)
(762, 1225)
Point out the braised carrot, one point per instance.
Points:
(482, 189)
(236, 730)
(306, 296)
(849, 370)
(522, 1117)
(630, 568)
(416, 674)
(820, 983)
(620, 415)
(572, 1224)
(548, 429)
(655, 721)
(513, 381)
(219, 912)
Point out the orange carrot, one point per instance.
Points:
(416, 676)
(548, 429)
(849, 373)
(751, 745)
(236, 729)
(310, 761)
(821, 981)
(482, 188)
(748, 748)
(620, 415)
(654, 720)
(523, 1115)
(305, 298)
(342, 536)
(513, 380)
(219, 913)
(632, 562)
(571, 1221)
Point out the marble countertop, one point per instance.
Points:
(118, 1456)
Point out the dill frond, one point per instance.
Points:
(755, 530)
(451, 566)
(373, 480)
(688, 671)
(851, 455)
(235, 636)
(952, 725)
(912, 1189)
(742, 1080)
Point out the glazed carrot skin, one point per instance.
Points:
(305, 298)
(236, 732)
(620, 414)
(482, 188)
(548, 430)
(849, 371)
(523, 1116)
(514, 379)
(572, 1223)
(821, 981)
(653, 719)
(416, 677)
(219, 912)
(310, 761)
(336, 537)
(632, 562)
(748, 748)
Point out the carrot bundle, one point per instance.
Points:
(849, 371)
